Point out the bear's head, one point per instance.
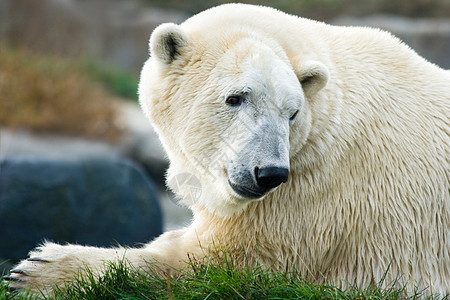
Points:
(225, 107)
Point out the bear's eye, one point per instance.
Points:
(292, 118)
(234, 100)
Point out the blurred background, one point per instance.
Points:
(77, 156)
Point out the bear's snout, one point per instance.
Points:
(256, 185)
(271, 177)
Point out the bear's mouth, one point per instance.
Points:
(245, 192)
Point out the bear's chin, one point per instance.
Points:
(226, 204)
(228, 209)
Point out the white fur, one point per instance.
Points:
(368, 188)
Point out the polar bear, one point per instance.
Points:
(319, 149)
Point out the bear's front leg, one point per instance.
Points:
(53, 265)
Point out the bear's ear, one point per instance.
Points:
(167, 42)
(313, 76)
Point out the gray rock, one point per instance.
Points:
(430, 38)
(98, 202)
(51, 146)
(141, 143)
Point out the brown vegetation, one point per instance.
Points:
(48, 94)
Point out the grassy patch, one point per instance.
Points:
(3, 291)
(210, 281)
(49, 94)
(117, 82)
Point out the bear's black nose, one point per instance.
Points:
(271, 177)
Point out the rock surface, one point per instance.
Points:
(139, 144)
(99, 202)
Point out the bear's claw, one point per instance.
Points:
(17, 278)
(19, 271)
(12, 289)
(35, 275)
(10, 278)
(38, 259)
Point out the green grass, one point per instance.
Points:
(118, 82)
(209, 281)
